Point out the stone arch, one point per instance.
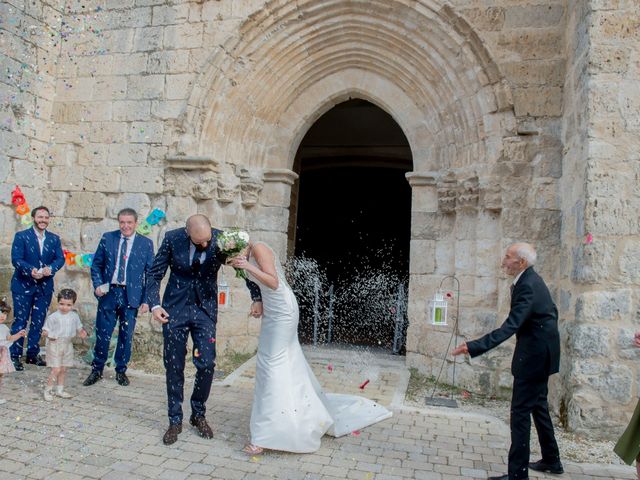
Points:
(291, 61)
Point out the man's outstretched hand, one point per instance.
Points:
(460, 349)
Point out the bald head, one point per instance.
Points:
(199, 231)
(519, 256)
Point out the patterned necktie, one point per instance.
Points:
(122, 266)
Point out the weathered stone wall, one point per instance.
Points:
(600, 288)
(522, 118)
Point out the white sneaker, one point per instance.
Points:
(62, 394)
(2, 401)
(47, 394)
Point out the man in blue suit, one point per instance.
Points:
(36, 255)
(189, 307)
(119, 274)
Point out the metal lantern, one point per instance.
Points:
(223, 292)
(438, 309)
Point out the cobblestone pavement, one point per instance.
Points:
(111, 432)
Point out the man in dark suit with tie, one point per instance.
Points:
(119, 275)
(533, 318)
(189, 307)
(36, 255)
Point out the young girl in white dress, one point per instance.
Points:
(6, 340)
(290, 412)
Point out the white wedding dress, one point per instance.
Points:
(290, 412)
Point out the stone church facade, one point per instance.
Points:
(522, 116)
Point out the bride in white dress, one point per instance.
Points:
(290, 412)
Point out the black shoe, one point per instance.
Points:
(17, 364)
(171, 435)
(204, 430)
(92, 378)
(122, 379)
(542, 466)
(37, 361)
(503, 477)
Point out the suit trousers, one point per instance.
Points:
(114, 308)
(530, 399)
(194, 321)
(35, 305)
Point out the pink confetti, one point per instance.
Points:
(355, 433)
(449, 295)
(466, 394)
(589, 239)
(330, 368)
(364, 384)
(212, 340)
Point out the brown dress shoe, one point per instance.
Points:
(171, 435)
(204, 430)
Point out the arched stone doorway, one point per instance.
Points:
(351, 216)
(423, 64)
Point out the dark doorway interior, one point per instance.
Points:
(352, 220)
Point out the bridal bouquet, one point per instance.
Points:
(231, 243)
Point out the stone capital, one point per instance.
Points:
(283, 175)
(421, 179)
(187, 162)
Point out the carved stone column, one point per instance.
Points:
(424, 191)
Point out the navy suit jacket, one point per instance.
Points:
(25, 256)
(138, 265)
(533, 318)
(174, 253)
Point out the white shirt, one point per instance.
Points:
(4, 335)
(114, 278)
(515, 280)
(40, 239)
(192, 252)
(60, 325)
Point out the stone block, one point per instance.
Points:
(615, 26)
(604, 58)
(75, 89)
(538, 101)
(67, 178)
(128, 155)
(183, 36)
(142, 180)
(145, 87)
(179, 86)
(533, 16)
(589, 341)
(102, 179)
(431, 226)
(108, 132)
(166, 110)
(422, 257)
(629, 103)
(14, 144)
(140, 202)
(607, 216)
(605, 306)
(516, 44)
(168, 62)
(93, 231)
(625, 344)
(110, 88)
(146, 132)
(180, 208)
(488, 19)
(29, 174)
(69, 231)
(132, 110)
(86, 205)
(170, 14)
(538, 224)
(610, 382)
(424, 198)
(535, 72)
(276, 194)
(629, 262)
(268, 218)
(592, 263)
(148, 39)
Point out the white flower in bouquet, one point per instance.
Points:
(231, 243)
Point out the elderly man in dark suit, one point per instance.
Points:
(36, 255)
(119, 273)
(189, 307)
(533, 318)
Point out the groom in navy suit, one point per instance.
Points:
(36, 255)
(119, 273)
(189, 307)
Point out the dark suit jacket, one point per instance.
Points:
(25, 256)
(174, 253)
(534, 320)
(138, 265)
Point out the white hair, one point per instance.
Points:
(526, 252)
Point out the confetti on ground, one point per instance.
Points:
(364, 384)
(355, 433)
(466, 394)
(589, 239)
(330, 368)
